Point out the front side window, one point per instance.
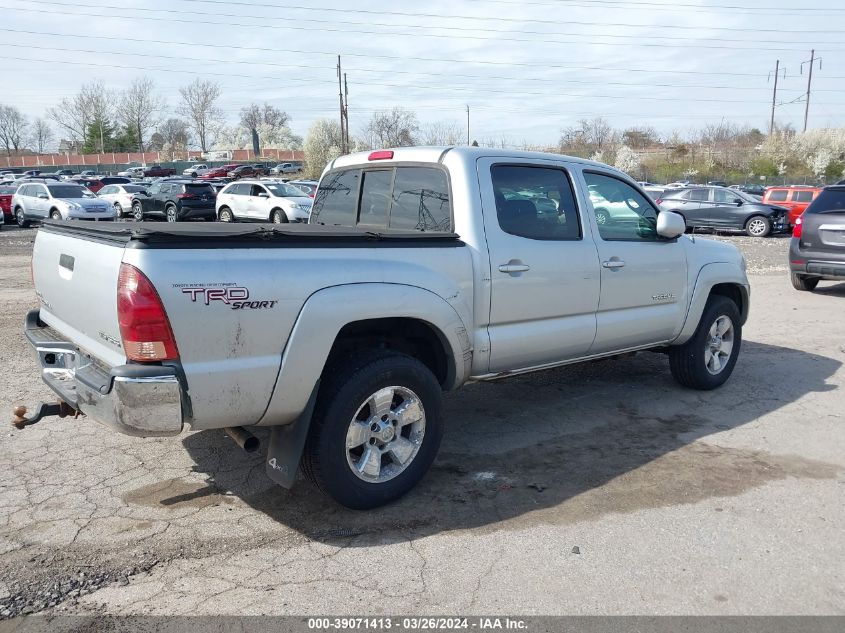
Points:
(720, 195)
(535, 202)
(628, 215)
(257, 190)
(336, 202)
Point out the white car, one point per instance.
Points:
(120, 197)
(286, 168)
(262, 201)
(57, 201)
(195, 171)
(132, 172)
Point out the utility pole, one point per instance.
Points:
(775, 96)
(467, 124)
(343, 149)
(346, 110)
(812, 61)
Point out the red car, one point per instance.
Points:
(796, 199)
(157, 171)
(6, 193)
(220, 172)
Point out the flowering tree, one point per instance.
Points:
(627, 160)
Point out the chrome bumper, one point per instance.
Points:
(139, 400)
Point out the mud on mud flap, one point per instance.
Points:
(287, 443)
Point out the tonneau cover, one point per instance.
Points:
(221, 234)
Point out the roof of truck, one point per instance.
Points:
(436, 154)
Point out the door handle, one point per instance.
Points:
(613, 263)
(514, 266)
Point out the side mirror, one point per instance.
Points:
(738, 201)
(670, 225)
(263, 194)
(43, 196)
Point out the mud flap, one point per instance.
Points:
(287, 443)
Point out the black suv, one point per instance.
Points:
(722, 208)
(175, 200)
(817, 248)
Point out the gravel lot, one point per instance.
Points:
(597, 489)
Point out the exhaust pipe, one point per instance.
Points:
(243, 438)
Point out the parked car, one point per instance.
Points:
(58, 201)
(195, 171)
(99, 183)
(175, 201)
(817, 247)
(155, 171)
(86, 173)
(753, 190)
(722, 208)
(343, 339)
(6, 193)
(717, 183)
(120, 196)
(220, 172)
(246, 171)
(132, 172)
(286, 168)
(31, 173)
(654, 192)
(308, 186)
(262, 201)
(795, 199)
(64, 173)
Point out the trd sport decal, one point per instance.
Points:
(235, 296)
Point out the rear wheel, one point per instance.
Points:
(707, 360)
(170, 210)
(277, 216)
(376, 429)
(118, 210)
(802, 282)
(601, 217)
(137, 211)
(20, 218)
(226, 215)
(758, 226)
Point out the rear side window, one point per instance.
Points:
(535, 202)
(828, 201)
(420, 200)
(699, 195)
(779, 195)
(802, 196)
(375, 197)
(336, 201)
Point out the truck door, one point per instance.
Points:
(643, 276)
(544, 265)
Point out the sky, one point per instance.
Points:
(526, 69)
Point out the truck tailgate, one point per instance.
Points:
(76, 281)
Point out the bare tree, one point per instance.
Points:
(73, 115)
(263, 122)
(13, 127)
(594, 137)
(137, 108)
(199, 106)
(42, 136)
(442, 133)
(392, 128)
(100, 106)
(172, 137)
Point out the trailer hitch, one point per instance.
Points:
(44, 410)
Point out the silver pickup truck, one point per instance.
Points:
(421, 269)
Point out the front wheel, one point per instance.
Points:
(707, 360)
(376, 429)
(758, 226)
(55, 215)
(802, 282)
(278, 217)
(226, 215)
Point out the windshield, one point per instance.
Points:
(133, 188)
(746, 197)
(69, 191)
(282, 190)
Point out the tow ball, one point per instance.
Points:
(44, 410)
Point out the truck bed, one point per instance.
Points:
(244, 235)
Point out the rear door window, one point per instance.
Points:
(336, 202)
(699, 195)
(779, 195)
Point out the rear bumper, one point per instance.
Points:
(139, 400)
(823, 263)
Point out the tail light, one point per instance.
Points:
(798, 228)
(144, 326)
(186, 196)
(384, 154)
(658, 201)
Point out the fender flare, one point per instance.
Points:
(709, 276)
(327, 311)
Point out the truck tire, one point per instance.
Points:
(707, 360)
(376, 429)
(802, 282)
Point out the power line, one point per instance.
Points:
(439, 60)
(697, 8)
(288, 26)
